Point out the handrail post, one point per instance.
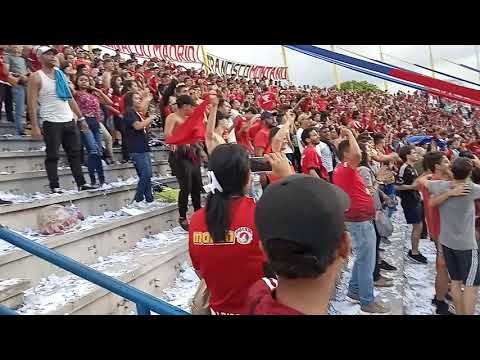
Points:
(148, 302)
(6, 311)
(142, 310)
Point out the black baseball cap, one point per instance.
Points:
(266, 115)
(304, 210)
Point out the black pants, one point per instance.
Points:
(119, 126)
(376, 271)
(189, 178)
(68, 135)
(297, 159)
(6, 97)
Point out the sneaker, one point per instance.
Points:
(183, 223)
(386, 266)
(5, 202)
(383, 282)
(57, 191)
(443, 308)
(86, 187)
(419, 258)
(386, 241)
(376, 307)
(355, 298)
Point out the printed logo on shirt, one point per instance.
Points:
(204, 238)
(244, 235)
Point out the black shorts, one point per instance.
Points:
(462, 265)
(413, 213)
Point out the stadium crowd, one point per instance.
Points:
(332, 165)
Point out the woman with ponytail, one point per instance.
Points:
(223, 242)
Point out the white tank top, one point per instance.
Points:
(51, 107)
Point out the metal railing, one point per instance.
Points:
(144, 302)
(6, 311)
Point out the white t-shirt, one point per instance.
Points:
(299, 138)
(51, 107)
(326, 155)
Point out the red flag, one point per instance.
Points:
(192, 130)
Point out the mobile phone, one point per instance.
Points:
(259, 164)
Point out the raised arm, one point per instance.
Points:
(210, 139)
(33, 87)
(355, 152)
(279, 137)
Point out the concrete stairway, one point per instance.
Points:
(136, 245)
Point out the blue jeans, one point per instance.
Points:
(94, 162)
(18, 95)
(390, 191)
(94, 126)
(364, 242)
(143, 164)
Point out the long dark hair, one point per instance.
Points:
(128, 100)
(116, 89)
(231, 166)
(364, 161)
(127, 86)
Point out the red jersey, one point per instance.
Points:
(362, 207)
(254, 129)
(242, 137)
(117, 100)
(311, 160)
(3, 72)
(121, 104)
(232, 267)
(261, 300)
(267, 101)
(432, 214)
(322, 105)
(262, 140)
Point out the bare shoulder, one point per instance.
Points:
(173, 118)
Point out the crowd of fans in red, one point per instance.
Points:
(324, 133)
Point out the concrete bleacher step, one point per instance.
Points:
(13, 142)
(7, 128)
(102, 238)
(23, 161)
(11, 292)
(20, 143)
(149, 266)
(23, 215)
(37, 181)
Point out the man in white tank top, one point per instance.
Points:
(59, 126)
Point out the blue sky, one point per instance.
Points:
(307, 70)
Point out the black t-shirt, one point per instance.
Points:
(407, 176)
(137, 140)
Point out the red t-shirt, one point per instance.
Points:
(3, 72)
(230, 268)
(267, 101)
(121, 104)
(117, 101)
(261, 300)
(262, 139)
(242, 137)
(311, 160)
(254, 129)
(432, 214)
(322, 105)
(362, 207)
